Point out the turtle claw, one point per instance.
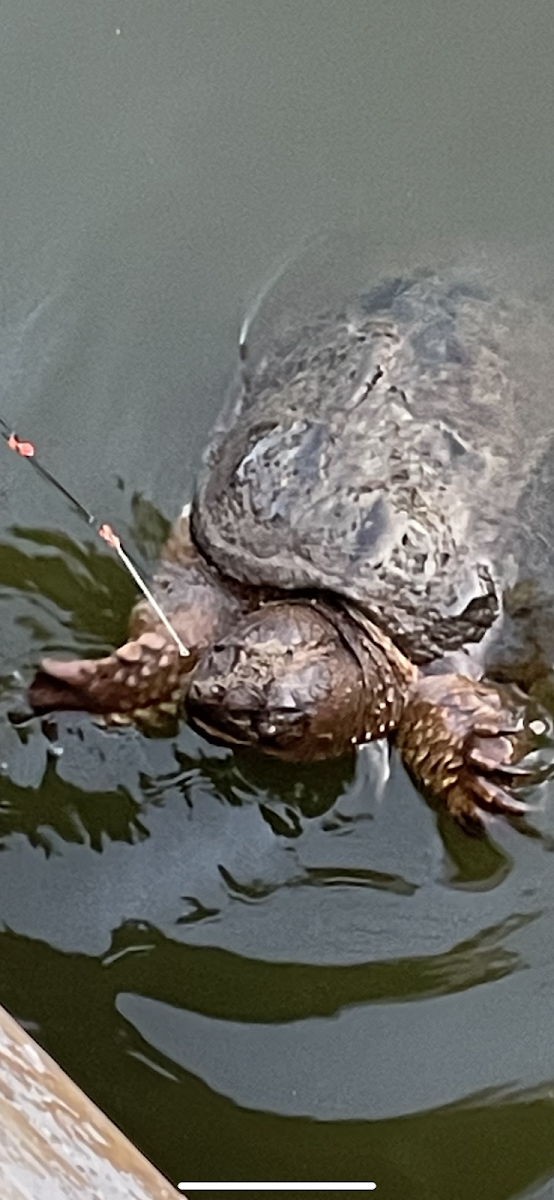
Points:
(487, 800)
(511, 773)
(494, 798)
(493, 754)
(465, 742)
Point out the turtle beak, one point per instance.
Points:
(234, 712)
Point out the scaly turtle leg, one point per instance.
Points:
(144, 672)
(462, 741)
(149, 670)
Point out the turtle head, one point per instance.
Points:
(305, 681)
(292, 679)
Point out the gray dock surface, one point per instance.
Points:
(55, 1144)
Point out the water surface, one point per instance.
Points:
(259, 972)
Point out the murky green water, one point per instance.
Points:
(260, 973)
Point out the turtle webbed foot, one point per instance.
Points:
(466, 742)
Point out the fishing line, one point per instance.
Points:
(27, 450)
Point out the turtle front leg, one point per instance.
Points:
(148, 670)
(462, 741)
(145, 672)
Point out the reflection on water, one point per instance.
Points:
(286, 943)
(258, 971)
(74, 587)
(518, 1122)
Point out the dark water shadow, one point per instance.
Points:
(285, 790)
(491, 1145)
(232, 987)
(59, 811)
(66, 585)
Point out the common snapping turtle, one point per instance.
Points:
(369, 549)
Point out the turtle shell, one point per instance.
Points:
(390, 455)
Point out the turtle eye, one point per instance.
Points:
(221, 659)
